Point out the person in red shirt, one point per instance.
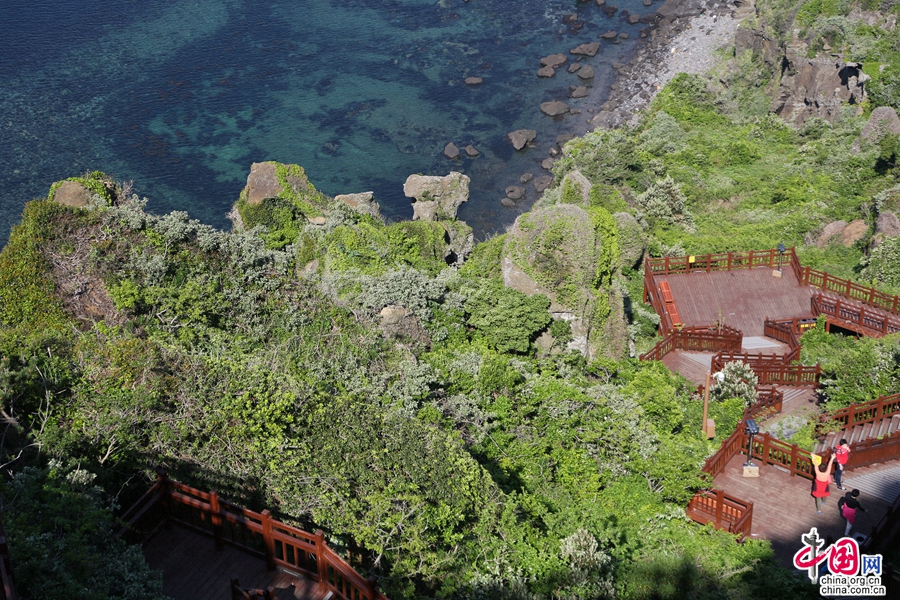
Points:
(820, 484)
(841, 455)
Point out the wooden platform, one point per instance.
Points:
(783, 508)
(194, 570)
(741, 299)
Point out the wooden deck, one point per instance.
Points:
(783, 508)
(741, 298)
(194, 570)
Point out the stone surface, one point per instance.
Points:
(579, 92)
(586, 49)
(521, 137)
(587, 72)
(854, 232)
(515, 192)
(317, 220)
(574, 67)
(555, 108)
(547, 164)
(471, 151)
(262, 183)
(398, 322)
(473, 80)
(546, 72)
(632, 240)
(888, 224)
(562, 138)
(554, 60)
(609, 35)
(623, 35)
(883, 120)
(507, 202)
(363, 203)
(526, 177)
(542, 183)
(816, 87)
(436, 198)
(831, 232)
(451, 151)
(72, 193)
(633, 19)
(582, 187)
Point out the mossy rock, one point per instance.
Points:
(78, 192)
(370, 248)
(632, 240)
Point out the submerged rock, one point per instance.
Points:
(521, 137)
(451, 151)
(555, 108)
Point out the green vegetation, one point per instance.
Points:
(340, 371)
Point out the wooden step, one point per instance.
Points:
(866, 431)
(895, 425)
(882, 428)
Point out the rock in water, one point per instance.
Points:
(586, 73)
(521, 137)
(515, 192)
(471, 151)
(586, 49)
(555, 108)
(554, 60)
(579, 92)
(546, 72)
(436, 198)
(451, 151)
(473, 80)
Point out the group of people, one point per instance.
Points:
(848, 505)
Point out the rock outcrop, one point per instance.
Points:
(521, 137)
(363, 203)
(72, 193)
(436, 198)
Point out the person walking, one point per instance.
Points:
(820, 484)
(848, 506)
(841, 454)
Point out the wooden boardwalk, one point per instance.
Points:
(194, 570)
(741, 298)
(783, 508)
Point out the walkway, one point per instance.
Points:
(783, 508)
(741, 299)
(194, 570)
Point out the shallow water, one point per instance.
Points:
(181, 97)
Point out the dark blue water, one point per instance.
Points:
(182, 96)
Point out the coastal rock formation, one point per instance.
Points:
(515, 192)
(462, 241)
(816, 87)
(632, 240)
(586, 73)
(854, 232)
(886, 225)
(265, 182)
(542, 183)
(576, 189)
(554, 60)
(451, 151)
(586, 49)
(72, 193)
(555, 108)
(759, 43)
(830, 232)
(363, 203)
(436, 198)
(546, 72)
(521, 137)
(609, 35)
(883, 120)
(471, 151)
(579, 92)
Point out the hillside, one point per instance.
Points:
(465, 420)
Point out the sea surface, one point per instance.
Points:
(182, 96)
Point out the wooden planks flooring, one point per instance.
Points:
(194, 570)
(741, 299)
(783, 508)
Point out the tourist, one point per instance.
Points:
(820, 484)
(848, 506)
(842, 454)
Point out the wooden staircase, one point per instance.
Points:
(857, 433)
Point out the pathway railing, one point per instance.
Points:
(865, 412)
(848, 289)
(724, 261)
(754, 360)
(724, 511)
(854, 317)
(697, 339)
(258, 534)
(793, 375)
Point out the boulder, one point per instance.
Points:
(555, 108)
(632, 240)
(886, 225)
(586, 49)
(609, 35)
(830, 232)
(471, 151)
(262, 183)
(579, 92)
(586, 73)
(574, 67)
(451, 151)
(609, 10)
(72, 193)
(521, 137)
(854, 232)
(436, 198)
(363, 203)
(581, 185)
(562, 138)
(816, 87)
(546, 72)
(543, 182)
(526, 177)
(398, 322)
(507, 202)
(320, 221)
(554, 60)
(633, 19)
(515, 192)
(623, 35)
(883, 120)
(547, 164)
(474, 80)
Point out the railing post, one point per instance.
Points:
(216, 518)
(793, 459)
(373, 587)
(720, 501)
(321, 563)
(268, 540)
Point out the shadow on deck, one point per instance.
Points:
(193, 569)
(783, 508)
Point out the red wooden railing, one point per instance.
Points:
(854, 317)
(848, 289)
(770, 399)
(258, 534)
(754, 360)
(794, 375)
(725, 261)
(6, 572)
(724, 511)
(697, 339)
(865, 412)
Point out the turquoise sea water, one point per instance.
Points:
(182, 96)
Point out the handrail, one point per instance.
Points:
(280, 544)
(854, 317)
(848, 289)
(723, 510)
(865, 412)
(697, 339)
(723, 261)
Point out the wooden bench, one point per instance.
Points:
(669, 301)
